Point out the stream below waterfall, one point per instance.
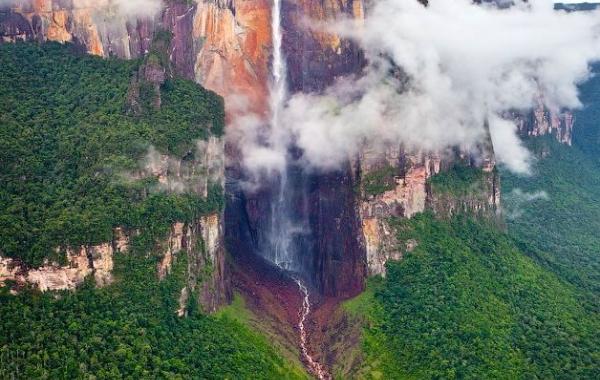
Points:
(314, 366)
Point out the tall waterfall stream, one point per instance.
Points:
(285, 228)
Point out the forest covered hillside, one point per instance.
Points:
(65, 139)
(477, 301)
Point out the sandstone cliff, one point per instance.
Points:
(542, 121)
(222, 44)
(207, 279)
(96, 260)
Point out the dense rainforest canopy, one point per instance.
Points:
(67, 142)
(65, 135)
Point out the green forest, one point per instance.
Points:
(66, 140)
(467, 303)
(128, 330)
(475, 301)
(65, 135)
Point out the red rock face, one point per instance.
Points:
(233, 43)
(78, 21)
(316, 58)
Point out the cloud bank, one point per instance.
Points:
(437, 77)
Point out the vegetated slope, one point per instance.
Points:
(467, 303)
(473, 301)
(64, 137)
(560, 230)
(129, 330)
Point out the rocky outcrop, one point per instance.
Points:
(405, 189)
(480, 199)
(542, 121)
(201, 168)
(207, 279)
(201, 241)
(96, 260)
(405, 196)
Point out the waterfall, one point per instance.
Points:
(286, 228)
(289, 234)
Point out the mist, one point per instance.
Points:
(439, 77)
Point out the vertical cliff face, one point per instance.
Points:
(399, 183)
(393, 184)
(542, 121)
(222, 44)
(232, 48)
(90, 24)
(207, 279)
(316, 58)
(331, 248)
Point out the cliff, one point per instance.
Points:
(200, 240)
(395, 183)
(222, 44)
(93, 25)
(96, 260)
(542, 121)
(207, 278)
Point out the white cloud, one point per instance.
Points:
(517, 199)
(466, 65)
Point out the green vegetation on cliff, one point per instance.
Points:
(66, 142)
(460, 180)
(379, 181)
(467, 303)
(65, 137)
(128, 330)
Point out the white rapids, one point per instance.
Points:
(314, 366)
